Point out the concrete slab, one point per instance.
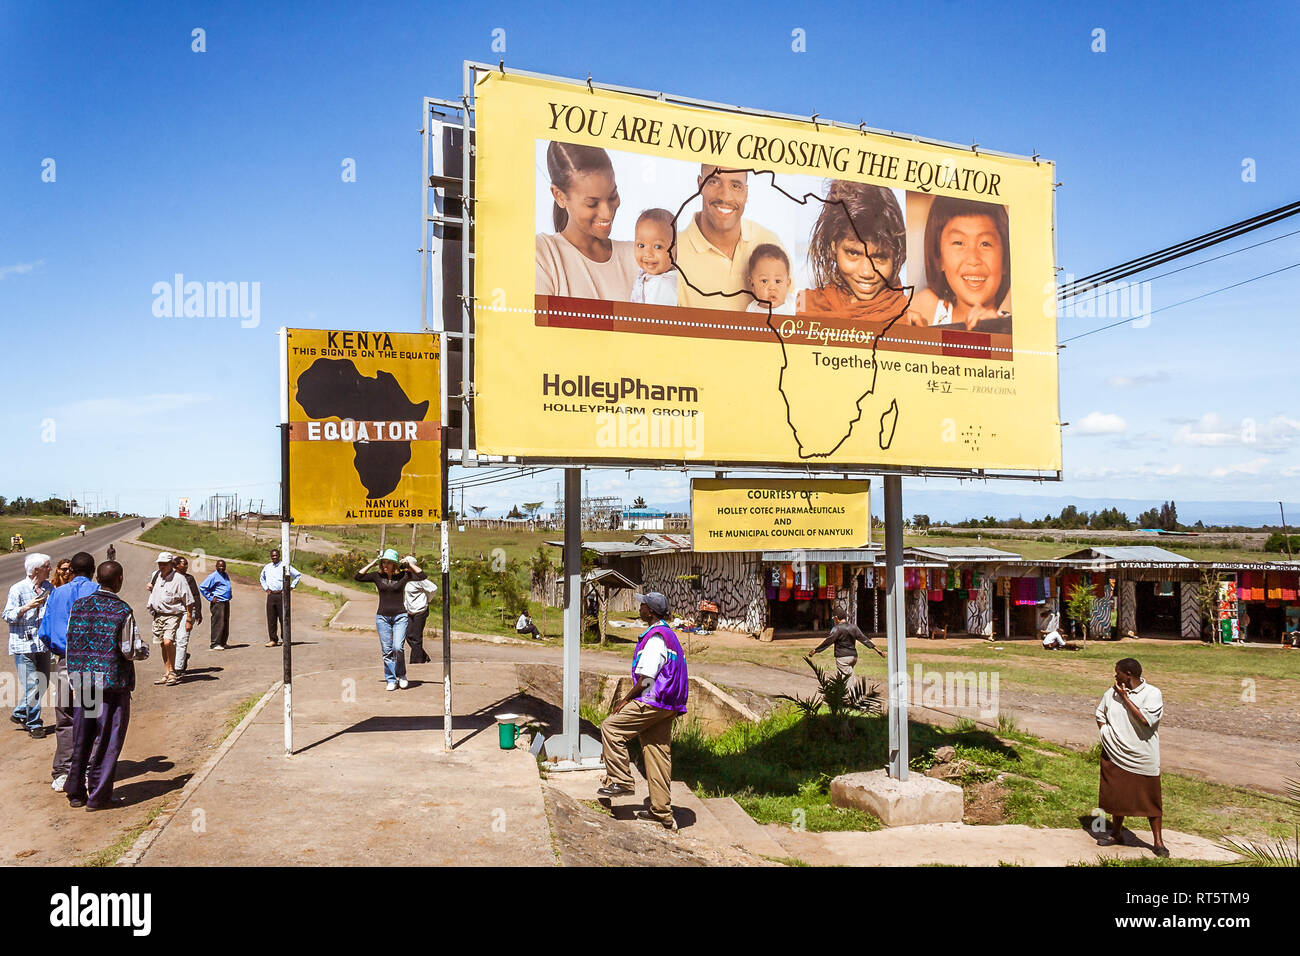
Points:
(369, 782)
(956, 844)
(744, 830)
(899, 803)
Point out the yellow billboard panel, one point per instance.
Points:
(761, 515)
(657, 282)
(364, 429)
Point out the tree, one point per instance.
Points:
(515, 512)
(478, 510)
(921, 522)
(532, 507)
(1081, 601)
(639, 503)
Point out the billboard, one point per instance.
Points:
(183, 508)
(364, 429)
(756, 515)
(664, 283)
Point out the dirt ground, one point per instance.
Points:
(172, 730)
(586, 836)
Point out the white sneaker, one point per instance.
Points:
(403, 683)
(58, 783)
(391, 686)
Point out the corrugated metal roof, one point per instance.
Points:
(661, 539)
(964, 553)
(1140, 552)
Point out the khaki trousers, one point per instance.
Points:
(653, 726)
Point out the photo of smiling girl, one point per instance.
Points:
(856, 251)
(580, 259)
(967, 254)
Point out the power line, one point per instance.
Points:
(1175, 305)
(1169, 253)
(1224, 255)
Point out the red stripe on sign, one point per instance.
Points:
(818, 330)
(966, 344)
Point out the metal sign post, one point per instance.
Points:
(286, 518)
(444, 557)
(896, 627)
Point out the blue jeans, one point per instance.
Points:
(33, 678)
(392, 640)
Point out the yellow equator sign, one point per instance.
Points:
(739, 514)
(364, 427)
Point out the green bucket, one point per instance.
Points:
(507, 730)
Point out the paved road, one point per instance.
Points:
(95, 541)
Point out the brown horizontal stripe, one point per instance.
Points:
(375, 430)
(821, 331)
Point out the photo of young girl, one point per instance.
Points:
(856, 252)
(967, 254)
(656, 283)
(770, 281)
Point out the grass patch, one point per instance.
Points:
(239, 713)
(190, 537)
(111, 854)
(779, 770)
(37, 530)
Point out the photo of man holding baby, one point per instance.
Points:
(713, 252)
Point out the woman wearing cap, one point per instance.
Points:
(1128, 720)
(391, 619)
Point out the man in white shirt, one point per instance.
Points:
(170, 602)
(272, 581)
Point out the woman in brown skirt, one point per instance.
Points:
(1128, 719)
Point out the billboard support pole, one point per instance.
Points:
(286, 634)
(571, 750)
(896, 627)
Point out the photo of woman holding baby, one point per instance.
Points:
(579, 259)
(856, 251)
(967, 266)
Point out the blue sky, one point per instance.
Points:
(225, 166)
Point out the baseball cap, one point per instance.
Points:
(389, 555)
(165, 556)
(654, 601)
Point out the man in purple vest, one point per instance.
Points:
(658, 695)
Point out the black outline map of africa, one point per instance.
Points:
(334, 388)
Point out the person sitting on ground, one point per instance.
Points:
(1292, 637)
(846, 637)
(1051, 631)
(525, 625)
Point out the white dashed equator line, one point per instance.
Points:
(687, 323)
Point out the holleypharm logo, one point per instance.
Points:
(76, 909)
(208, 300)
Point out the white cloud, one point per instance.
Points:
(1208, 431)
(1251, 468)
(109, 408)
(1101, 423)
(1213, 431)
(19, 269)
(1136, 381)
(1106, 473)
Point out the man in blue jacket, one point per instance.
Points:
(54, 631)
